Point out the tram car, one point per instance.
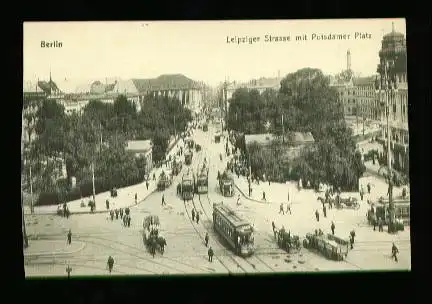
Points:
(237, 232)
(226, 184)
(331, 247)
(164, 181)
(188, 157)
(201, 180)
(381, 210)
(186, 187)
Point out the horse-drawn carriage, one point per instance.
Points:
(345, 203)
(151, 237)
(286, 241)
(331, 247)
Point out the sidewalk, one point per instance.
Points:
(125, 196)
(50, 248)
(275, 193)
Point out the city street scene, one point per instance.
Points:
(215, 147)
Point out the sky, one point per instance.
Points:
(199, 49)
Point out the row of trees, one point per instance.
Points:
(98, 136)
(304, 103)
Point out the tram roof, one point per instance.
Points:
(230, 215)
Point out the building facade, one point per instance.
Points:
(393, 51)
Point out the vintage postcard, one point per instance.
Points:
(215, 147)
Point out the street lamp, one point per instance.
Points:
(388, 84)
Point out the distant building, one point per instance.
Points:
(357, 94)
(261, 84)
(190, 93)
(142, 148)
(292, 143)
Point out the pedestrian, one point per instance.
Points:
(351, 242)
(380, 225)
(107, 204)
(206, 239)
(375, 220)
(250, 190)
(281, 210)
(67, 212)
(116, 213)
(317, 215)
(128, 220)
(325, 211)
(263, 196)
(163, 199)
(112, 215)
(368, 188)
(361, 193)
(238, 200)
(193, 214)
(352, 234)
(210, 254)
(136, 198)
(332, 227)
(273, 226)
(110, 263)
(197, 217)
(69, 237)
(121, 213)
(395, 251)
(288, 208)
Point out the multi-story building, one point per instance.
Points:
(190, 93)
(393, 51)
(260, 84)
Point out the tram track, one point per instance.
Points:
(252, 266)
(235, 257)
(91, 240)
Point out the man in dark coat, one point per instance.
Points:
(110, 263)
(325, 211)
(193, 214)
(69, 237)
(317, 215)
(210, 254)
(197, 217)
(395, 251)
(333, 227)
(206, 239)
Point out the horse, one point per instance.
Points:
(162, 243)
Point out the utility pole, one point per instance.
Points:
(388, 94)
(283, 130)
(93, 182)
(23, 222)
(31, 189)
(175, 131)
(101, 140)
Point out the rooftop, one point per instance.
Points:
(291, 137)
(165, 82)
(139, 145)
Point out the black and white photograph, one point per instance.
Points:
(215, 147)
